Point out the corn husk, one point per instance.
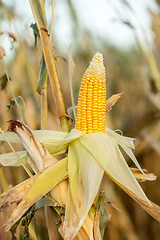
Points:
(11, 159)
(85, 177)
(45, 181)
(54, 141)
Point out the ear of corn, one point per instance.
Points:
(91, 109)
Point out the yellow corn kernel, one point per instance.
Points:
(91, 110)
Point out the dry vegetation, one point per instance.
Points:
(137, 114)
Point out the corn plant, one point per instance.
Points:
(68, 166)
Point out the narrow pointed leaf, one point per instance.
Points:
(129, 152)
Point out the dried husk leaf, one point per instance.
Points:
(152, 208)
(110, 102)
(59, 192)
(112, 161)
(38, 154)
(39, 158)
(45, 181)
(97, 235)
(16, 194)
(141, 177)
(86, 230)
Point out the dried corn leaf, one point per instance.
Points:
(152, 208)
(112, 101)
(45, 181)
(16, 194)
(143, 177)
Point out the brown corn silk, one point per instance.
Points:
(91, 110)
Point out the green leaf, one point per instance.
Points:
(44, 201)
(35, 31)
(21, 107)
(42, 79)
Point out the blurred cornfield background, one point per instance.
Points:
(133, 70)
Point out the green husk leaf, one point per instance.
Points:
(45, 181)
(54, 141)
(113, 162)
(108, 155)
(85, 176)
(120, 139)
(11, 159)
(126, 144)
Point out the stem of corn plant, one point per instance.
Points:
(23, 165)
(54, 80)
(43, 92)
(44, 109)
(42, 3)
(50, 63)
(51, 225)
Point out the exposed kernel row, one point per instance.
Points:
(91, 110)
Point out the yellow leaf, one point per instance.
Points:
(45, 181)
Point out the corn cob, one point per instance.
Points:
(91, 110)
